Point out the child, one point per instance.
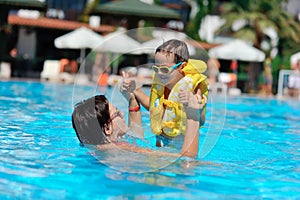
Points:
(177, 82)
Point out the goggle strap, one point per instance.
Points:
(175, 66)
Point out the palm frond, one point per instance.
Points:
(246, 34)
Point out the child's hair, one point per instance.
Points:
(177, 47)
(89, 119)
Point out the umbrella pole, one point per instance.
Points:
(115, 65)
(82, 63)
(234, 68)
(236, 75)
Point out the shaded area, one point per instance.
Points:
(5, 7)
(133, 11)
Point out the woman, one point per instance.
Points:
(98, 122)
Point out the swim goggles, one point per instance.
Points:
(116, 114)
(165, 69)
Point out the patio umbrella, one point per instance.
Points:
(134, 11)
(150, 46)
(81, 38)
(161, 36)
(237, 50)
(118, 42)
(294, 59)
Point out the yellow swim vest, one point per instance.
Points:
(167, 115)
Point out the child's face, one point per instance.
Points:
(165, 59)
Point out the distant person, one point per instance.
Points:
(267, 78)
(13, 53)
(101, 69)
(213, 70)
(294, 81)
(176, 78)
(68, 66)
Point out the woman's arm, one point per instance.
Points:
(135, 117)
(128, 86)
(142, 98)
(191, 139)
(193, 106)
(132, 148)
(202, 111)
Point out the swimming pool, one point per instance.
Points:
(256, 156)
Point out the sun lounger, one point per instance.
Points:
(5, 70)
(51, 70)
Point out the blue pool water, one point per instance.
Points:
(256, 155)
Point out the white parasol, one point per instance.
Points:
(294, 59)
(237, 50)
(118, 42)
(161, 36)
(81, 38)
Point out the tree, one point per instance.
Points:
(90, 5)
(257, 15)
(204, 7)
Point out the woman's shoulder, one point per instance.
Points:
(114, 145)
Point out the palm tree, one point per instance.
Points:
(257, 15)
(90, 5)
(204, 7)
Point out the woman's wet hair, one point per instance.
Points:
(176, 47)
(89, 119)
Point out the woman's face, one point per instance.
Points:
(118, 125)
(164, 59)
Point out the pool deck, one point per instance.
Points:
(256, 95)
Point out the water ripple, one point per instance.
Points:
(256, 155)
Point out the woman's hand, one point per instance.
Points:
(193, 103)
(127, 86)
